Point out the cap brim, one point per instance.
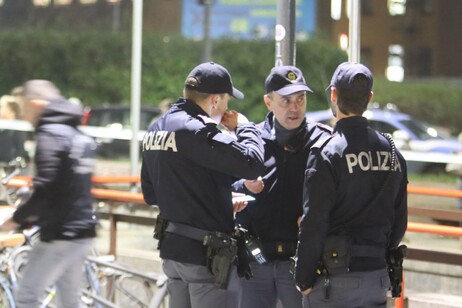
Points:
(293, 88)
(237, 94)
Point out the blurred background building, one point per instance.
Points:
(399, 38)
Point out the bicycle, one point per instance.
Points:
(125, 287)
(13, 195)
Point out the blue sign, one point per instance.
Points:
(241, 19)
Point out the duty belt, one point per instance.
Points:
(367, 251)
(188, 231)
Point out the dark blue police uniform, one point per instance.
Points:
(188, 168)
(342, 178)
(272, 217)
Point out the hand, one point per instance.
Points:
(255, 186)
(238, 205)
(229, 120)
(307, 291)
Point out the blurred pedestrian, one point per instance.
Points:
(60, 203)
(355, 204)
(272, 218)
(187, 170)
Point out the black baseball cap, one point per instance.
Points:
(212, 78)
(285, 80)
(346, 73)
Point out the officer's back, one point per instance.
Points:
(188, 167)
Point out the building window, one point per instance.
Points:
(343, 41)
(336, 9)
(395, 69)
(62, 2)
(397, 7)
(41, 2)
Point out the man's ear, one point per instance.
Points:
(214, 100)
(267, 101)
(333, 95)
(371, 95)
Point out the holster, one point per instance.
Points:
(221, 253)
(336, 254)
(395, 258)
(159, 229)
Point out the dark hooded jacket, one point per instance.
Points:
(61, 201)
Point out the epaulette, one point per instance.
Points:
(206, 120)
(325, 127)
(321, 142)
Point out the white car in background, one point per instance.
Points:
(425, 149)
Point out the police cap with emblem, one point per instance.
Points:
(345, 74)
(212, 78)
(285, 80)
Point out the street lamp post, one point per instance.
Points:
(207, 51)
(354, 48)
(285, 33)
(136, 84)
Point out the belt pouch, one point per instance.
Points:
(336, 254)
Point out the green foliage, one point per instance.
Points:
(96, 67)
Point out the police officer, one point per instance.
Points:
(355, 204)
(272, 218)
(187, 170)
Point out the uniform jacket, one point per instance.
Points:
(187, 170)
(61, 200)
(342, 178)
(272, 217)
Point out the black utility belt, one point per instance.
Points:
(283, 249)
(193, 232)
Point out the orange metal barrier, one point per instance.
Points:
(438, 192)
(434, 229)
(117, 195)
(116, 179)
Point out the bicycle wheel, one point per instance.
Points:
(18, 259)
(6, 296)
(134, 291)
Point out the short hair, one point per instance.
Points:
(40, 89)
(354, 100)
(194, 95)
